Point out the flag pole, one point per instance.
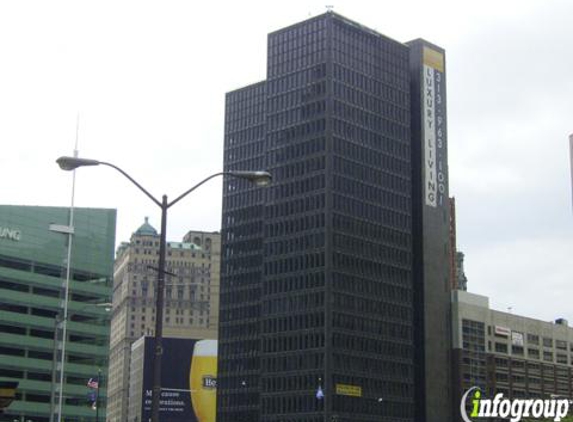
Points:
(99, 383)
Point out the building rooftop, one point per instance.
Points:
(183, 245)
(146, 229)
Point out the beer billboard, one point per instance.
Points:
(188, 380)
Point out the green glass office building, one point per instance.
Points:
(32, 277)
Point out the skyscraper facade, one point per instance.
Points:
(319, 317)
(33, 270)
(191, 300)
(431, 231)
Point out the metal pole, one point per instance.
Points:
(67, 285)
(99, 385)
(159, 314)
(65, 316)
(58, 320)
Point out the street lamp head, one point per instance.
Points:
(259, 178)
(72, 163)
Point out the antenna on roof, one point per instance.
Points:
(77, 135)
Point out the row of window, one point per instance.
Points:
(297, 187)
(250, 311)
(236, 364)
(296, 244)
(394, 285)
(372, 326)
(300, 93)
(377, 136)
(285, 283)
(244, 114)
(245, 143)
(356, 36)
(307, 360)
(243, 277)
(304, 261)
(366, 110)
(384, 192)
(370, 163)
(357, 363)
(374, 85)
(242, 263)
(294, 151)
(290, 303)
(294, 84)
(295, 206)
(47, 269)
(293, 341)
(247, 118)
(372, 212)
(298, 33)
(294, 60)
(296, 37)
(371, 250)
(399, 78)
(297, 133)
(240, 330)
(237, 197)
(400, 313)
(242, 97)
(237, 297)
(531, 353)
(368, 269)
(371, 230)
(293, 322)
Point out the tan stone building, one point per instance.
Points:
(191, 299)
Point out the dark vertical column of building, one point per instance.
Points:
(453, 248)
(373, 368)
(431, 232)
(293, 294)
(241, 258)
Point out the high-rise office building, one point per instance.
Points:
(335, 280)
(191, 299)
(33, 270)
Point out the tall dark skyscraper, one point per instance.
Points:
(328, 309)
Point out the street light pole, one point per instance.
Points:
(58, 321)
(260, 178)
(158, 335)
(99, 386)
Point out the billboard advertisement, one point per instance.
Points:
(188, 380)
(434, 128)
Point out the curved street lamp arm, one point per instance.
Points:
(132, 181)
(184, 194)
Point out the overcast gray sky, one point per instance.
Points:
(148, 79)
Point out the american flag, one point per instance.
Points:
(93, 383)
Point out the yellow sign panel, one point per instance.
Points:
(203, 380)
(434, 59)
(348, 390)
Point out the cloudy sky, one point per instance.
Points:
(148, 80)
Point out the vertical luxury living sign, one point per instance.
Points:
(434, 128)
